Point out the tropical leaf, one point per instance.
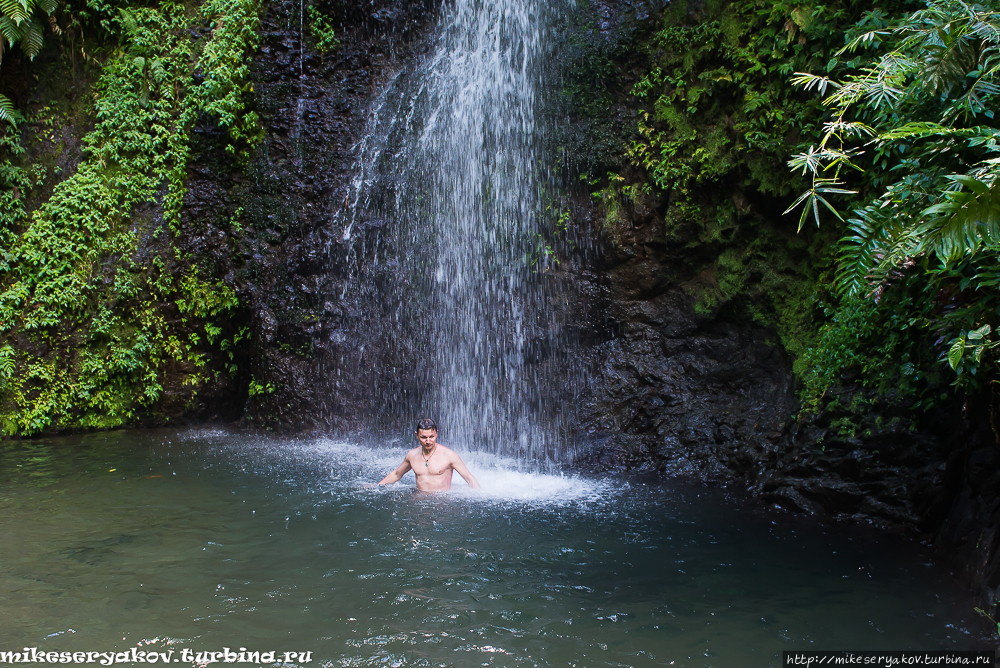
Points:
(33, 39)
(965, 220)
(7, 111)
(15, 10)
(956, 352)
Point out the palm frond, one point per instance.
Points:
(916, 130)
(812, 198)
(975, 100)
(809, 81)
(843, 129)
(863, 40)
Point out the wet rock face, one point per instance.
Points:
(288, 264)
(713, 398)
(671, 389)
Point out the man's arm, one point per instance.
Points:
(397, 474)
(459, 465)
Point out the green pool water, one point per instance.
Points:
(203, 539)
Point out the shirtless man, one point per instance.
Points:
(432, 463)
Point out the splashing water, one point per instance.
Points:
(443, 228)
(503, 480)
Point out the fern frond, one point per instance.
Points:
(11, 31)
(128, 21)
(157, 70)
(33, 39)
(860, 251)
(966, 219)
(15, 10)
(7, 111)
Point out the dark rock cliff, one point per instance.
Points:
(675, 390)
(289, 266)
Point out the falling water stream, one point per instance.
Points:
(450, 173)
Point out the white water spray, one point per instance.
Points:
(450, 175)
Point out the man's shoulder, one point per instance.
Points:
(447, 451)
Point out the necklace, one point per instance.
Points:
(428, 459)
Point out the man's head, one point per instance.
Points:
(427, 432)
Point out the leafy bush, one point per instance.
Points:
(913, 133)
(94, 320)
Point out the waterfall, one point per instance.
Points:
(443, 225)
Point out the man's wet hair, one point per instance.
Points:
(426, 423)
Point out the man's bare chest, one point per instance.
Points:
(433, 466)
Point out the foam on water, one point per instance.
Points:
(503, 479)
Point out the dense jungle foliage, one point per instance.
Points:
(95, 299)
(877, 125)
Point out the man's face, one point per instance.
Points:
(427, 437)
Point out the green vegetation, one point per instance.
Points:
(912, 132)
(322, 31)
(95, 299)
(719, 119)
(902, 134)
